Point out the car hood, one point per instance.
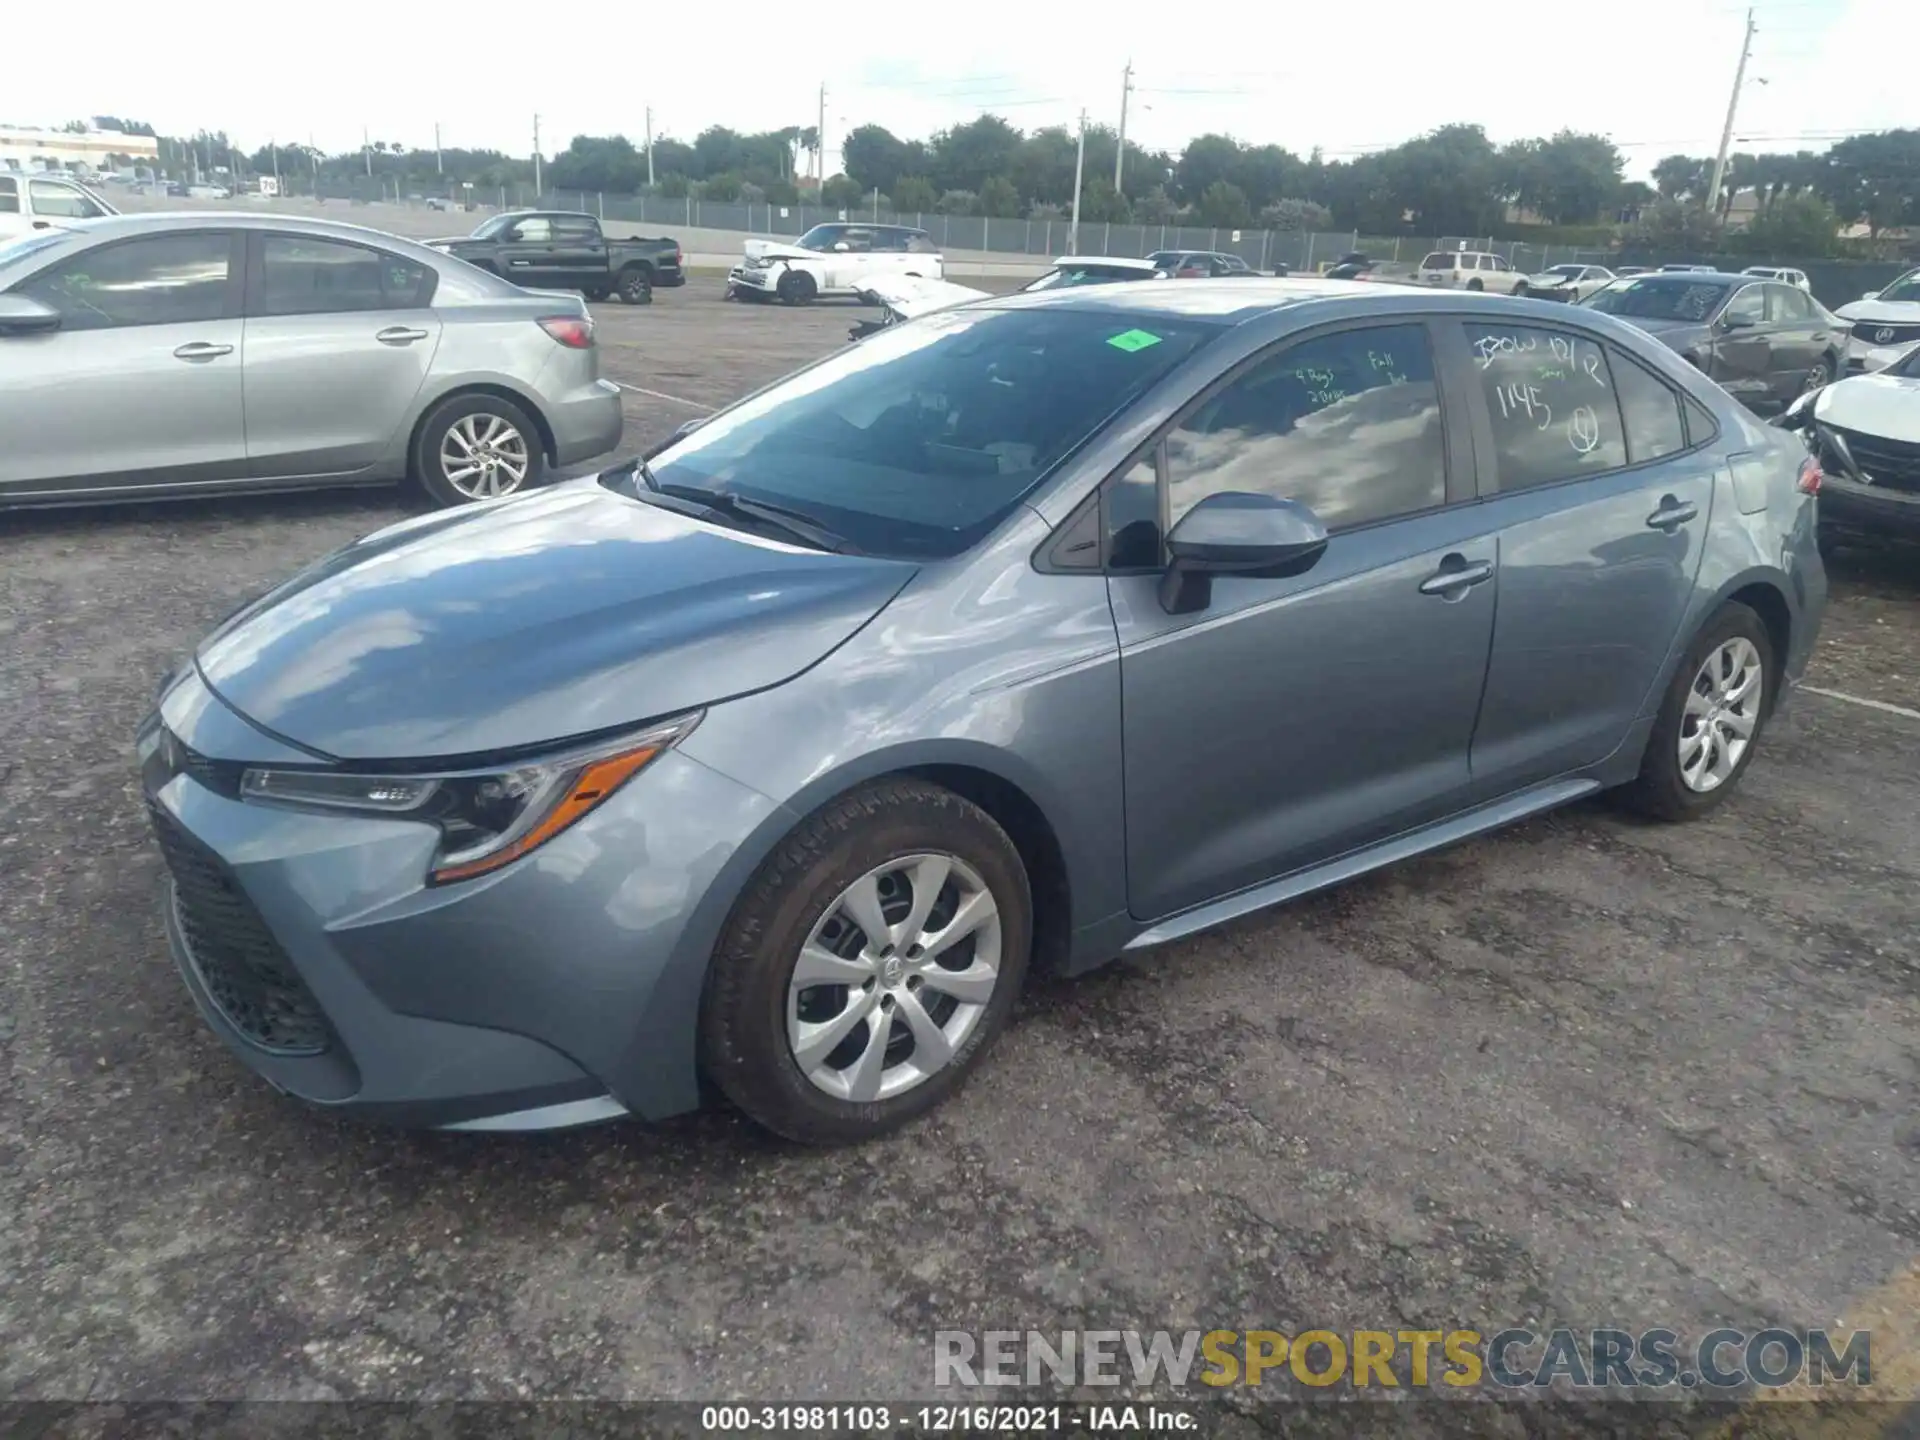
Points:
(509, 625)
(1884, 405)
(909, 296)
(777, 250)
(1894, 312)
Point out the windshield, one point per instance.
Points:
(1907, 287)
(821, 237)
(1659, 299)
(1907, 367)
(919, 440)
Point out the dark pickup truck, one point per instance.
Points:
(567, 250)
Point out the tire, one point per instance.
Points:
(469, 415)
(752, 1015)
(1521, 291)
(1662, 790)
(1475, 285)
(798, 288)
(598, 294)
(636, 285)
(1820, 376)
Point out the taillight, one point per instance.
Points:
(679, 256)
(570, 330)
(1810, 477)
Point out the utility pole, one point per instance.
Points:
(1120, 151)
(649, 147)
(439, 168)
(1079, 167)
(537, 192)
(1726, 134)
(820, 141)
(366, 151)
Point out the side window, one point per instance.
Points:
(1649, 409)
(534, 230)
(860, 241)
(1132, 500)
(1787, 305)
(575, 228)
(304, 276)
(1749, 307)
(1551, 402)
(62, 202)
(9, 195)
(921, 244)
(1348, 424)
(159, 280)
(1492, 262)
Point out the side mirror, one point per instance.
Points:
(841, 246)
(1871, 295)
(1234, 533)
(23, 315)
(1737, 322)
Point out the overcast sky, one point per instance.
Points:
(1346, 75)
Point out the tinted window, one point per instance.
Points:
(1439, 260)
(62, 201)
(534, 230)
(1660, 298)
(304, 276)
(1132, 501)
(1348, 424)
(161, 280)
(1551, 402)
(9, 196)
(1649, 411)
(920, 439)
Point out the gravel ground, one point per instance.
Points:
(1587, 1071)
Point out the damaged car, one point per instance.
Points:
(907, 298)
(1865, 432)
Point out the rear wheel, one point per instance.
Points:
(1710, 721)
(477, 447)
(1819, 377)
(598, 293)
(869, 964)
(1475, 285)
(636, 285)
(1521, 289)
(797, 287)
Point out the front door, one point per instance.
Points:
(340, 337)
(141, 384)
(1291, 720)
(1601, 499)
(528, 254)
(1742, 360)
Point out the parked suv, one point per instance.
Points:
(1471, 270)
(833, 259)
(37, 202)
(1044, 630)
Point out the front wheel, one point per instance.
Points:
(797, 287)
(1520, 290)
(869, 964)
(477, 447)
(1715, 708)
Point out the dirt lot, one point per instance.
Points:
(1587, 1071)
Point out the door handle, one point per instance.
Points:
(1455, 576)
(202, 350)
(1672, 514)
(399, 335)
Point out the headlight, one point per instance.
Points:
(487, 818)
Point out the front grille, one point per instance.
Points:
(1879, 332)
(1892, 463)
(246, 974)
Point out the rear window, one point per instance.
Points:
(1439, 260)
(921, 439)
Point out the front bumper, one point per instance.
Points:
(761, 281)
(561, 989)
(1846, 504)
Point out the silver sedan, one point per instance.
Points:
(160, 356)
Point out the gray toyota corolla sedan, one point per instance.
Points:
(152, 356)
(1029, 633)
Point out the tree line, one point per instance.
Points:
(1453, 181)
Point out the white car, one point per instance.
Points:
(1470, 270)
(1883, 325)
(38, 202)
(905, 297)
(1566, 282)
(1796, 278)
(1866, 434)
(833, 259)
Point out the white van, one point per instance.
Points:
(31, 202)
(1470, 270)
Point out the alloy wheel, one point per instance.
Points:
(483, 456)
(1721, 715)
(894, 977)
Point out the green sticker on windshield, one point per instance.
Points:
(1131, 340)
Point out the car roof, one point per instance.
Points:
(160, 222)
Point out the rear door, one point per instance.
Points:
(340, 337)
(141, 384)
(1601, 499)
(1293, 719)
(1801, 341)
(579, 252)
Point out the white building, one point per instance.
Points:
(22, 149)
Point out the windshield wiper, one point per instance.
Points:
(796, 524)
